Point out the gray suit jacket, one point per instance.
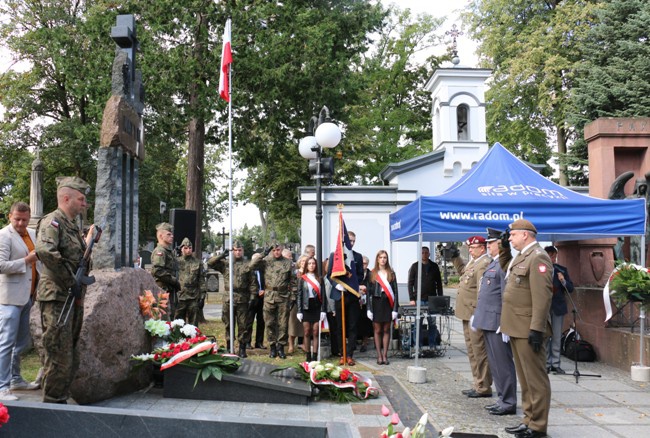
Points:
(15, 278)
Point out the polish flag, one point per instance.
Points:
(226, 60)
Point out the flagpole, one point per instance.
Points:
(231, 308)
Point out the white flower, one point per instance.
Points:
(406, 433)
(156, 327)
(335, 374)
(188, 330)
(328, 366)
(177, 323)
(142, 357)
(447, 432)
(319, 368)
(313, 364)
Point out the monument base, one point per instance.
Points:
(252, 382)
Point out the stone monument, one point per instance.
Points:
(36, 191)
(121, 149)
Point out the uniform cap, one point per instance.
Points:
(73, 182)
(493, 234)
(237, 244)
(165, 226)
(523, 224)
(475, 240)
(186, 242)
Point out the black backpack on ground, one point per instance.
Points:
(582, 349)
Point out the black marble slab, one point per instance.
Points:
(252, 382)
(29, 420)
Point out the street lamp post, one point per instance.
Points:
(321, 133)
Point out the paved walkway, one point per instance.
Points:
(610, 406)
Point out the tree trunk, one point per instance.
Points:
(195, 174)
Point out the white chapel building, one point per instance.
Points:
(459, 142)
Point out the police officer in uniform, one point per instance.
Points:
(164, 265)
(192, 292)
(471, 274)
(525, 318)
(279, 292)
(244, 292)
(59, 246)
(487, 317)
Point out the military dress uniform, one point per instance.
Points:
(279, 292)
(466, 300)
(526, 303)
(164, 268)
(59, 246)
(244, 290)
(190, 276)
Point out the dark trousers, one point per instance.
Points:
(352, 311)
(257, 311)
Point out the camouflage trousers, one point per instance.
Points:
(240, 311)
(61, 353)
(276, 318)
(188, 310)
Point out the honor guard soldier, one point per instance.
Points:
(190, 276)
(244, 292)
(164, 266)
(525, 318)
(466, 299)
(59, 246)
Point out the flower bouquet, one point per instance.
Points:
(4, 414)
(418, 431)
(153, 307)
(334, 382)
(185, 345)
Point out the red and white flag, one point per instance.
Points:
(226, 60)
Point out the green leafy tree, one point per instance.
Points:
(614, 79)
(534, 48)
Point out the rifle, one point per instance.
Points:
(80, 279)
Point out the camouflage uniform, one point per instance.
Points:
(192, 289)
(164, 268)
(244, 290)
(280, 291)
(59, 246)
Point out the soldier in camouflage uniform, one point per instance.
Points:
(280, 292)
(192, 285)
(164, 266)
(244, 292)
(60, 246)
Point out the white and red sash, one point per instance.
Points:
(314, 285)
(388, 290)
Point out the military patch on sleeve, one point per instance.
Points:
(159, 254)
(542, 268)
(54, 223)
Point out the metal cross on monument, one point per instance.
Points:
(454, 33)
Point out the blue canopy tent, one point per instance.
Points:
(500, 189)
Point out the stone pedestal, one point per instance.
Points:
(416, 374)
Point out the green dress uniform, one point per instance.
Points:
(60, 246)
(466, 301)
(190, 274)
(244, 291)
(164, 268)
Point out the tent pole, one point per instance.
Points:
(642, 312)
(418, 299)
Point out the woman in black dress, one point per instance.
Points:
(383, 302)
(311, 307)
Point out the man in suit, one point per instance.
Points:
(487, 317)
(525, 318)
(19, 268)
(561, 283)
(471, 272)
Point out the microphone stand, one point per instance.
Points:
(576, 338)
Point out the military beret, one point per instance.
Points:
(186, 242)
(523, 224)
(73, 182)
(493, 234)
(164, 226)
(475, 240)
(237, 244)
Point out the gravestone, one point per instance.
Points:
(121, 149)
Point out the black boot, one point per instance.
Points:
(281, 351)
(242, 352)
(309, 357)
(273, 353)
